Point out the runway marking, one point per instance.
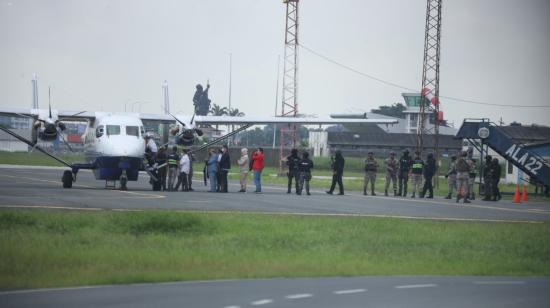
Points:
(414, 286)
(499, 282)
(343, 292)
(262, 302)
(144, 195)
(232, 307)
(298, 296)
(41, 180)
(453, 205)
(367, 215)
(53, 207)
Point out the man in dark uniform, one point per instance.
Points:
(201, 100)
(405, 163)
(488, 178)
(304, 167)
(225, 165)
(338, 163)
(162, 172)
(495, 173)
(429, 172)
(293, 162)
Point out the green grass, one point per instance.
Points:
(53, 249)
(37, 158)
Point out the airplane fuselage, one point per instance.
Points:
(114, 144)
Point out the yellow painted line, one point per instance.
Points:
(52, 207)
(41, 180)
(143, 195)
(453, 205)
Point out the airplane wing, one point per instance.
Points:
(286, 120)
(61, 114)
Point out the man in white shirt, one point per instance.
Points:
(151, 149)
(185, 166)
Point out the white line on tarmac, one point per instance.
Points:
(352, 291)
(298, 296)
(262, 302)
(232, 307)
(414, 286)
(498, 282)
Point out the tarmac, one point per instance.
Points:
(40, 187)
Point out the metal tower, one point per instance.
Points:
(430, 74)
(289, 105)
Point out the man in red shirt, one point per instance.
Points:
(257, 167)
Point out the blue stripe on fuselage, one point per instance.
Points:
(110, 167)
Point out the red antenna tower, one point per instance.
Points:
(289, 105)
(430, 75)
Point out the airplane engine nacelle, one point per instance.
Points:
(187, 137)
(48, 133)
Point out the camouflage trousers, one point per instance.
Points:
(452, 183)
(463, 179)
(370, 176)
(393, 178)
(416, 182)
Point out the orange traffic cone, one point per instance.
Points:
(517, 196)
(524, 197)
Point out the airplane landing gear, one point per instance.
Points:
(67, 179)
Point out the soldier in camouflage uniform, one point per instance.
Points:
(462, 176)
(392, 166)
(472, 180)
(371, 167)
(451, 177)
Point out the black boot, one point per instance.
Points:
(395, 193)
(386, 192)
(449, 196)
(372, 192)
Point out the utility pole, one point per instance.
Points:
(166, 97)
(34, 82)
(429, 96)
(289, 105)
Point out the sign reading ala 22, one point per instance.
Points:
(530, 163)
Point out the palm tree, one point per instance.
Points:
(234, 112)
(217, 110)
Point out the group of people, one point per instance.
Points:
(178, 170)
(461, 174)
(398, 172)
(218, 164)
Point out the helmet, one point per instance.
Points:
(199, 87)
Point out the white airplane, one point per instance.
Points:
(113, 143)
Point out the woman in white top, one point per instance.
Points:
(243, 168)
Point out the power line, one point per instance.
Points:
(389, 83)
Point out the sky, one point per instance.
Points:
(115, 55)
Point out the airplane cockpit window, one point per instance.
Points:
(113, 130)
(132, 131)
(99, 131)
